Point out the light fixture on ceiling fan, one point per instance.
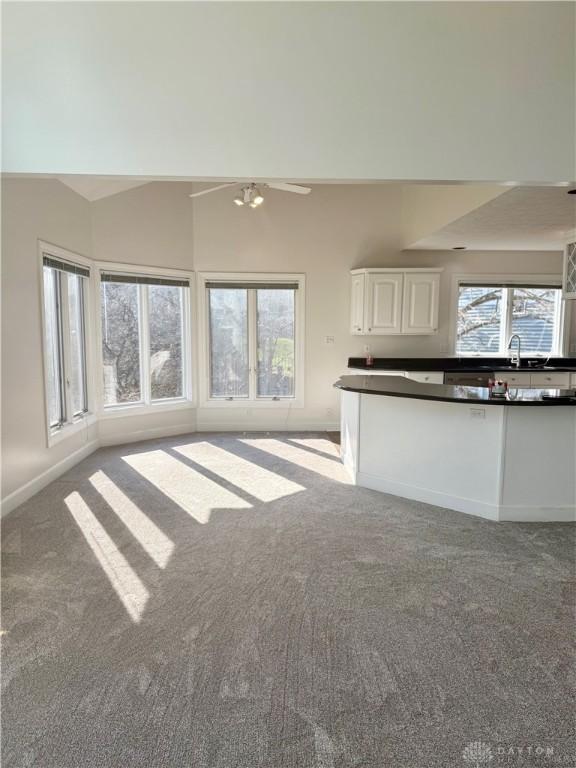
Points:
(250, 193)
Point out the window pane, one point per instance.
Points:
(228, 342)
(77, 374)
(120, 343)
(53, 343)
(534, 317)
(165, 316)
(479, 320)
(275, 309)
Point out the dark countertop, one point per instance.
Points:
(461, 364)
(398, 386)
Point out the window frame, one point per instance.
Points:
(520, 281)
(146, 405)
(252, 401)
(70, 423)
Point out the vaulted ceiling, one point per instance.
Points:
(96, 187)
(524, 218)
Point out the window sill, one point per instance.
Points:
(138, 409)
(70, 429)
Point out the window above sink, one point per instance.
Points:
(488, 312)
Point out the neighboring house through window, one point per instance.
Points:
(488, 314)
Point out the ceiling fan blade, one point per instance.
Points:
(214, 189)
(285, 187)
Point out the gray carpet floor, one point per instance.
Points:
(231, 601)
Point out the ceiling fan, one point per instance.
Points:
(250, 194)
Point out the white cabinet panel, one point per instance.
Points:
(514, 379)
(372, 372)
(552, 379)
(426, 377)
(573, 379)
(384, 303)
(420, 305)
(357, 304)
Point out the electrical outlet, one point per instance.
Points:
(477, 413)
(329, 339)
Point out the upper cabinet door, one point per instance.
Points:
(420, 310)
(357, 304)
(384, 303)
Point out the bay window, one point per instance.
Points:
(254, 329)
(488, 314)
(64, 298)
(144, 339)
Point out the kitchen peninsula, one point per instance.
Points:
(511, 458)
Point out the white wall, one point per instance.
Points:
(32, 210)
(324, 235)
(333, 230)
(150, 226)
(394, 90)
(459, 263)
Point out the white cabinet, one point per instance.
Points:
(420, 305)
(539, 380)
(384, 303)
(394, 301)
(372, 372)
(515, 380)
(426, 377)
(552, 379)
(357, 305)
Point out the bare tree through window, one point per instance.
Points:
(489, 315)
(121, 343)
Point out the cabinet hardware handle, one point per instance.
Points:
(369, 329)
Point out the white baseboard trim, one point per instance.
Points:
(496, 512)
(247, 426)
(146, 434)
(468, 506)
(537, 514)
(29, 489)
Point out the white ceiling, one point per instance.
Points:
(523, 219)
(97, 187)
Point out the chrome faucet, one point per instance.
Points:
(515, 354)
